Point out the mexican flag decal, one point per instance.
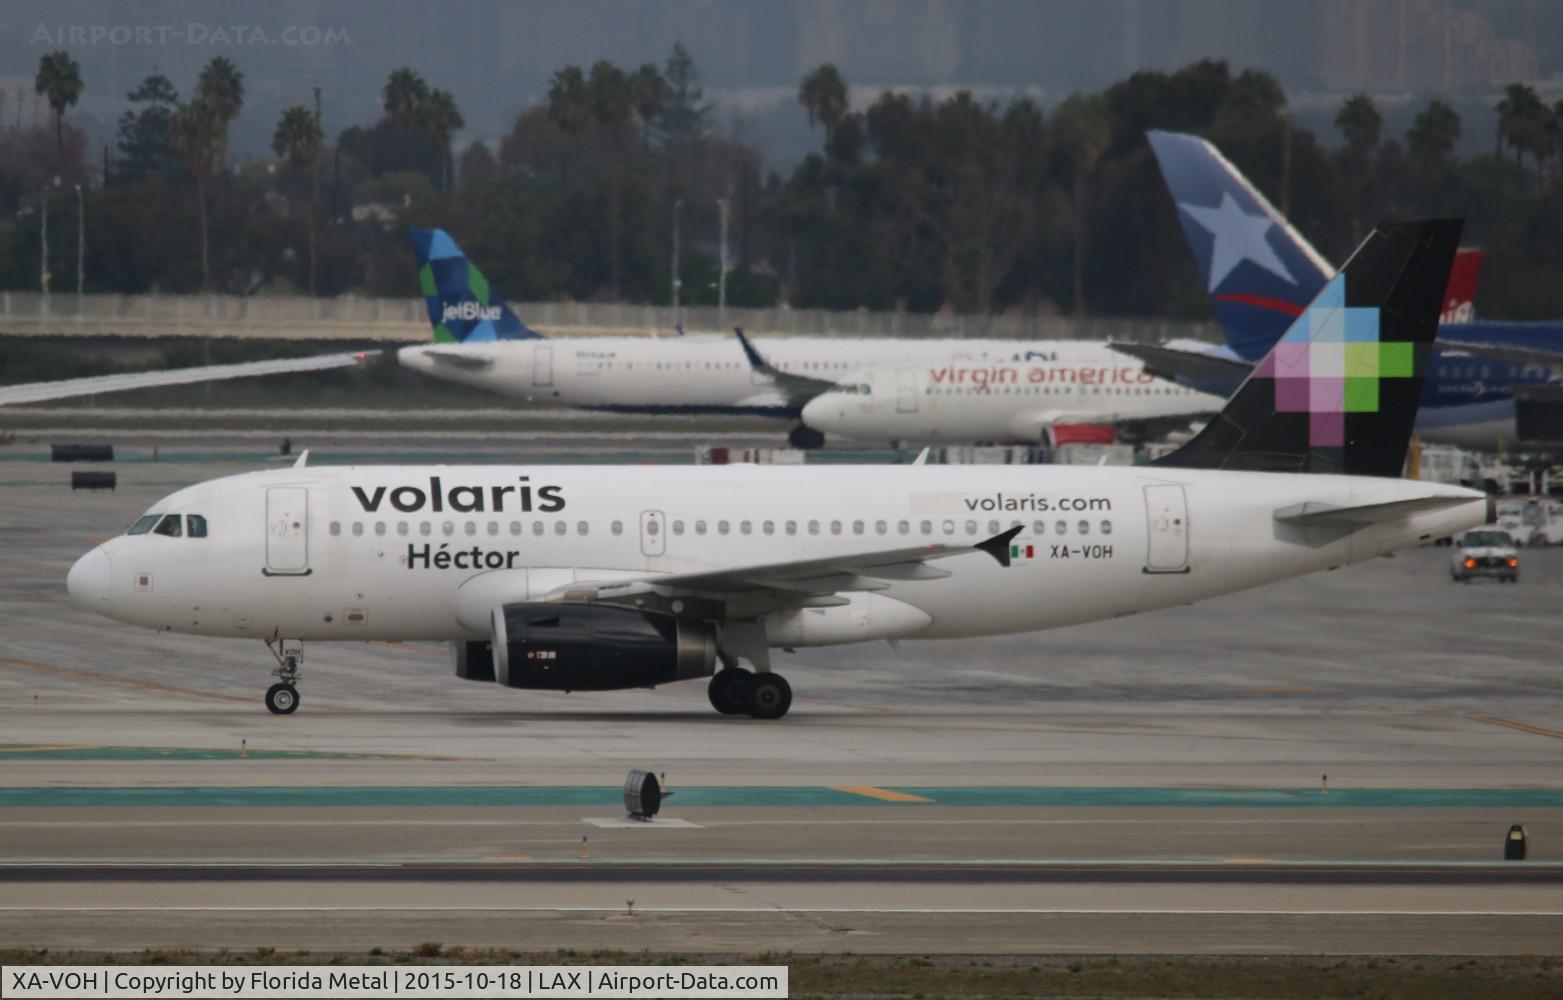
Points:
(1022, 551)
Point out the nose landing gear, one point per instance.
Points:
(282, 697)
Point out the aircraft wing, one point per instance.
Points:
(1314, 513)
(798, 389)
(798, 579)
(1206, 372)
(1507, 352)
(38, 392)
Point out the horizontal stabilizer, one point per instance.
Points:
(1513, 353)
(1205, 372)
(1313, 512)
(466, 362)
(39, 392)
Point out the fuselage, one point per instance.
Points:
(1002, 401)
(711, 375)
(427, 552)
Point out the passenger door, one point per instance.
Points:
(287, 531)
(653, 533)
(543, 365)
(906, 390)
(1167, 520)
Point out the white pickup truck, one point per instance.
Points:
(1485, 552)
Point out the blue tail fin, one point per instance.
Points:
(462, 306)
(1260, 271)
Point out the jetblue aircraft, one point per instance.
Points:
(479, 340)
(579, 578)
(1260, 273)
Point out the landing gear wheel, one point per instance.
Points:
(806, 437)
(282, 699)
(769, 696)
(729, 690)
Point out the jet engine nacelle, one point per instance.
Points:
(597, 647)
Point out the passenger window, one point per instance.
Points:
(700, 527)
(582, 528)
(143, 524)
(515, 527)
(379, 528)
(792, 527)
(1107, 527)
(195, 525)
(560, 527)
(358, 529)
(448, 528)
(835, 527)
(949, 527)
(401, 528)
(971, 527)
(678, 527)
(336, 528)
(857, 527)
(1062, 527)
(617, 527)
(472, 528)
(721, 527)
(769, 527)
(813, 527)
(1085, 527)
(745, 527)
(927, 527)
(993, 527)
(1040, 528)
(903, 527)
(537, 528)
(425, 528)
(493, 527)
(881, 527)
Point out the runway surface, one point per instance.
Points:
(1325, 766)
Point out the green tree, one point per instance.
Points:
(59, 82)
(568, 105)
(299, 140)
(1082, 127)
(443, 118)
(1433, 133)
(145, 143)
(403, 97)
(1360, 122)
(649, 93)
(201, 138)
(684, 117)
(823, 94)
(222, 85)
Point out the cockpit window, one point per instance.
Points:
(143, 524)
(195, 525)
(171, 525)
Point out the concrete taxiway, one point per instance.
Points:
(1167, 770)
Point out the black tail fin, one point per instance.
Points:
(1339, 392)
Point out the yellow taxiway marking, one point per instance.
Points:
(1523, 727)
(883, 794)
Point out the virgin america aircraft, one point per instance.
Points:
(577, 578)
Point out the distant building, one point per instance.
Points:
(1417, 46)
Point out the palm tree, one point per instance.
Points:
(443, 118)
(404, 95)
(222, 85)
(823, 94)
(299, 140)
(567, 103)
(59, 81)
(1433, 133)
(1519, 110)
(1083, 127)
(200, 136)
(1359, 121)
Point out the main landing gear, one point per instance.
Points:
(282, 697)
(735, 691)
(806, 438)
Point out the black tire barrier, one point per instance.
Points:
(1514, 844)
(81, 453)
(92, 480)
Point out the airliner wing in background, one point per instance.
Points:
(39, 392)
(1512, 353)
(1212, 373)
(798, 389)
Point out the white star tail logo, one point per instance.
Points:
(1236, 237)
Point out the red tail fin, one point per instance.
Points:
(1460, 297)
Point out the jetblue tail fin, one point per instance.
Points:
(1259, 270)
(1339, 392)
(462, 306)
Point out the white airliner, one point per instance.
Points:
(479, 341)
(580, 578)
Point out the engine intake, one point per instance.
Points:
(597, 647)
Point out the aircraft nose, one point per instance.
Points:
(88, 580)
